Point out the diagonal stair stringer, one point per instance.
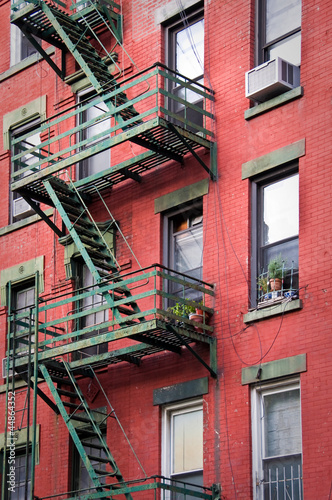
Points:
(90, 420)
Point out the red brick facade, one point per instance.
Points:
(229, 53)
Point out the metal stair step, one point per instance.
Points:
(100, 255)
(99, 459)
(70, 405)
(61, 380)
(124, 310)
(93, 445)
(92, 243)
(68, 394)
(79, 418)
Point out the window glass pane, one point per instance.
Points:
(281, 210)
(188, 247)
(282, 16)
(288, 49)
(100, 161)
(187, 441)
(282, 423)
(190, 50)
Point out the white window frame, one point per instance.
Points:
(167, 453)
(257, 393)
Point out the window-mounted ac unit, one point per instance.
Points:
(271, 79)
(21, 208)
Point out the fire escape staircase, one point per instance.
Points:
(48, 22)
(164, 141)
(73, 407)
(89, 242)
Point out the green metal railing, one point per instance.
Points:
(284, 287)
(151, 488)
(64, 140)
(61, 318)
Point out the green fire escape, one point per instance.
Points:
(42, 341)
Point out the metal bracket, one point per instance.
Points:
(192, 151)
(187, 345)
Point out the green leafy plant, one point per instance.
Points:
(275, 267)
(262, 283)
(182, 309)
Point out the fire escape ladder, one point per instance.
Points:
(74, 409)
(90, 243)
(73, 33)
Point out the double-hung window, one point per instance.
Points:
(279, 33)
(92, 317)
(183, 444)
(275, 223)
(277, 441)
(22, 467)
(94, 129)
(23, 302)
(184, 235)
(185, 55)
(20, 46)
(23, 139)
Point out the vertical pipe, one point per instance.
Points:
(35, 378)
(28, 405)
(4, 482)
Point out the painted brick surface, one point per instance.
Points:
(229, 52)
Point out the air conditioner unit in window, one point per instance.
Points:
(271, 79)
(21, 208)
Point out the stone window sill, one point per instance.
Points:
(291, 95)
(273, 310)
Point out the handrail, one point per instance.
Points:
(153, 298)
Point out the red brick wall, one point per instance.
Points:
(229, 53)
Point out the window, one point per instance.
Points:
(184, 236)
(81, 478)
(101, 161)
(277, 442)
(275, 225)
(23, 138)
(280, 30)
(185, 55)
(20, 46)
(23, 301)
(91, 302)
(183, 443)
(22, 467)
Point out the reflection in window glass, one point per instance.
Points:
(282, 17)
(282, 423)
(190, 50)
(187, 441)
(188, 248)
(101, 161)
(288, 49)
(281, 210)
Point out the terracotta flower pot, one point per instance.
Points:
(198, 318)
(275, 284)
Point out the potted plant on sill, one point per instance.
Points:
(275, 272)
(200, 316)
(183, 310)
(262, 283)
